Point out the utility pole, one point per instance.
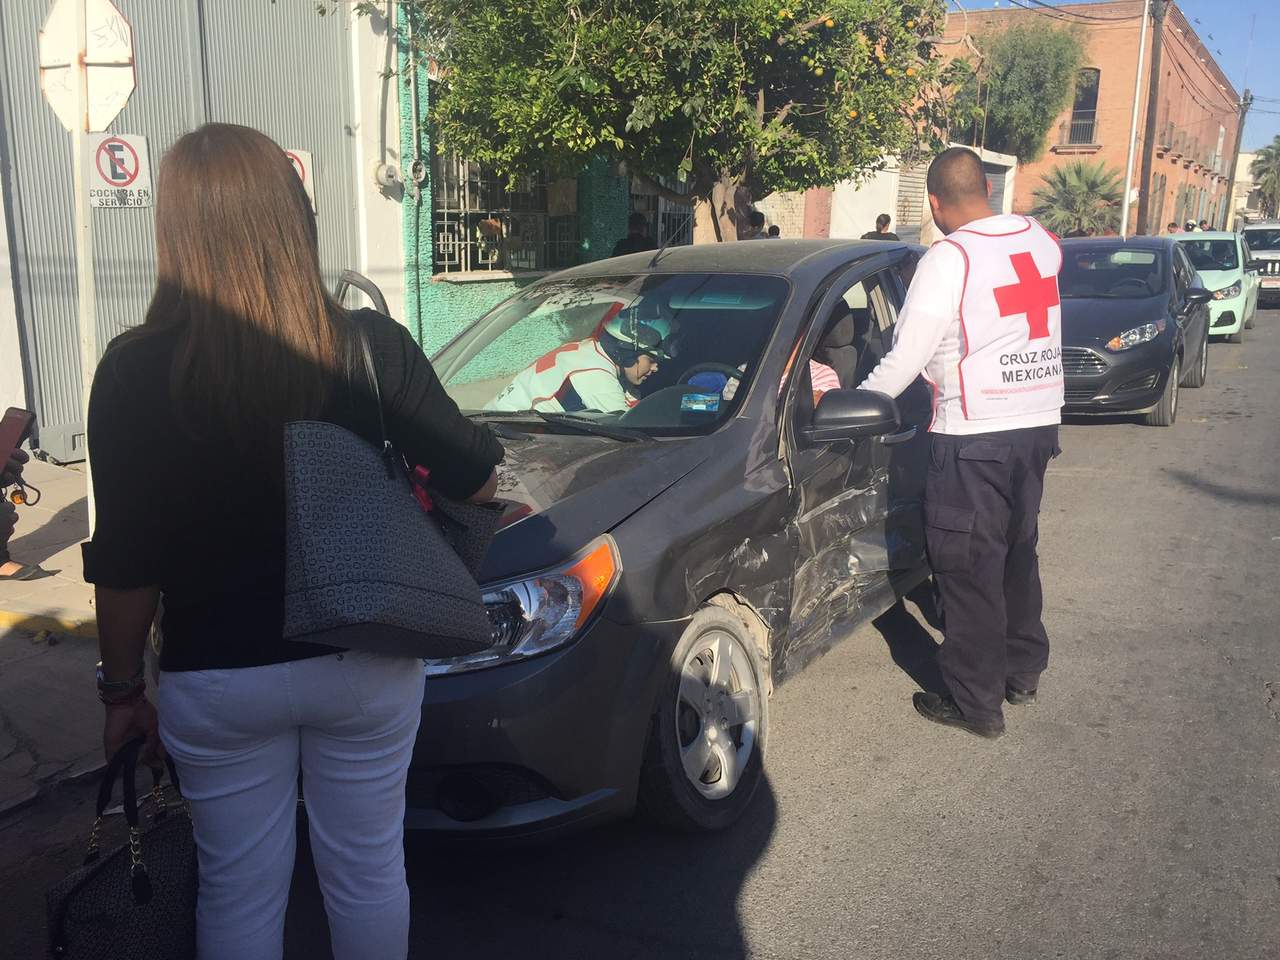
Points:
(1245, 103)
(86, 295)
(1158, 9)
(1133, 124)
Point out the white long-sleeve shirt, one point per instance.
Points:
(930, 337)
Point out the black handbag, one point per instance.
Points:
(386, 576)
(139, 900)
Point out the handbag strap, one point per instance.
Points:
(371, 374)
(124, 766)
(366, 356)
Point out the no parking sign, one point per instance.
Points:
(306, 171)
(119, 171)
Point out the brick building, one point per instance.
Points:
(1197, 109)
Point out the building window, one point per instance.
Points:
(1084, 113)
(482, 222)
(670, 224)
(1156, 224)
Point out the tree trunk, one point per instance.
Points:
(724, 215)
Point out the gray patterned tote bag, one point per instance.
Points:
(381, 573)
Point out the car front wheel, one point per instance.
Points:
(705, 756)
(1198, 374)
(1166, 411)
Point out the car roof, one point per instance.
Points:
(786, 258)
(1205, 235)
(1263, 224)
(1137, 243)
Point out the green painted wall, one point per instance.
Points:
(604, 203)
(448, 307)
(436, 310)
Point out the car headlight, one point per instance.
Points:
(1226, 293)
(543, 611)
(1131, 338)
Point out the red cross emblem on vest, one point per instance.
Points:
(1032, 295)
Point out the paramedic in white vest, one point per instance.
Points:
(603, 372)
(982, 324)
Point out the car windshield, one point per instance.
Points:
(1263, 239)
(641, 354)
(1107, 271)
(1212, 254)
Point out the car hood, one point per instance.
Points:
(564, 491)
(1218, 279)
(1088, 321)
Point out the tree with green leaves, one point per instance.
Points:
(1265, 171)
(1025, 78)
(731, 98)
(1080, 198)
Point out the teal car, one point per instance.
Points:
(1222, 260)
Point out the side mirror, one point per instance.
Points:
(1197, 295)
(1253, 266)
(852, 415)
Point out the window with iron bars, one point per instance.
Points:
(482, 222)
(670, 224)
(1084, 112)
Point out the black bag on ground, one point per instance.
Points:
(138, 901)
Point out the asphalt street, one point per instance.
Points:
(1133, 813)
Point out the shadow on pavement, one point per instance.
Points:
(68, 526)
(623, 892)
(1221, 491)
(912, 646)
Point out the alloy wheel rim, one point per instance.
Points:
(717, 714)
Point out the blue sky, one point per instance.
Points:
(1230, 23)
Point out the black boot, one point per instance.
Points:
(943, 710)
(1019, 698)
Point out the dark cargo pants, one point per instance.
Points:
(982, 507)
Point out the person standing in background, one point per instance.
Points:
(881, 231)
(983, 324)
(755, 226)
(637, 239)
(11, 569)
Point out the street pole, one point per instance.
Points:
(84, 237)
(1153, 102)
(1246, 102)
(1133, 125)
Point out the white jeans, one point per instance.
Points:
(239, 739)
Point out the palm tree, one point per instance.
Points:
(1079, 198)
(1265, 171)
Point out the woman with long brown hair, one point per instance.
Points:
(186, 422)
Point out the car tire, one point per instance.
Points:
(1248, 324)
(1237, 337)
(1166, 411)
(684, 734)
(1200, 372)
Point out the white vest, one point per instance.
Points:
(1010, 366)
(576, 376)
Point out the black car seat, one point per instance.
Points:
(840, 347)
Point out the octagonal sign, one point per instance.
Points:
(108, 62)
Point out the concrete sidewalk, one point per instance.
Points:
(50, 718)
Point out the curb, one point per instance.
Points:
(34, 622)
(38, 791)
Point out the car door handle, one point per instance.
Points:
(895, 438)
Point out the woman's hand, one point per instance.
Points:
(13, 467)
(125, 722)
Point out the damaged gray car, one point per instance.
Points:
(698, 504)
